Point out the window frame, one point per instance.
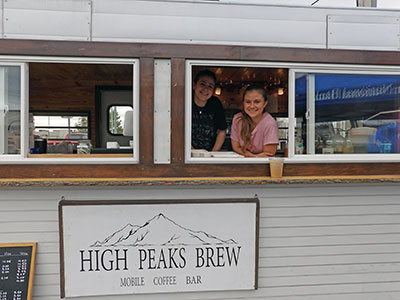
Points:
(292, 69)
(24, 61)
(24, 136)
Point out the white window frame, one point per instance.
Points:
(23, 158)
(24, 137)
(293, 68)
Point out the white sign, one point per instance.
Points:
(155, 247)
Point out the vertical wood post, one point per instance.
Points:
(146, 116)
(177, 110)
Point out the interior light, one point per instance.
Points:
(281, 91)
(218, 91)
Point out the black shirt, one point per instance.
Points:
(206, 121)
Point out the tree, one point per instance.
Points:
(82, 125)
(115, 124)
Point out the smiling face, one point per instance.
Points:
(254, 104)
(203, 90)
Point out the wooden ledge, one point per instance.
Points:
(159, 181)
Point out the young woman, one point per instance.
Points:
(208, 117)
(254, 131)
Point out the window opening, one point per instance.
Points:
(230, 84)
(62, 91)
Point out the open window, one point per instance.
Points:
(325, 113)
(52, 112)
(232, 78)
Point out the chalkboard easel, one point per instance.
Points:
(17, 264)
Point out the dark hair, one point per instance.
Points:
(247, 122)
(205, 73)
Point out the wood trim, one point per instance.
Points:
(178, 53)
(61, 249)
(181, 170)
(31, 270)
(177, 110)
(146, 115)
(135, 50)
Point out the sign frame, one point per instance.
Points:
(31, 271)
(93, 203)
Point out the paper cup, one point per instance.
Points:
(276, 167)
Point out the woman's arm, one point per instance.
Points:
(219, 140)
(236, 147)
(268, 150)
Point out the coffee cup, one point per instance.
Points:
(276, 166)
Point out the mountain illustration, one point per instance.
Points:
(159, 231)
(118, 236)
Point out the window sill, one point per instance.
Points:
(55, 155)
(60, 159)
(332, 158)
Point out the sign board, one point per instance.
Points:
(137, 247)
(17, 263)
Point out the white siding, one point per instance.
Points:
(206, 23)
(199, 23)
(331, 242)
(52, 20)
(368, 32)
(1, 20)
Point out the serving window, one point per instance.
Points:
(231, 81)
(325, 113)
(53, 109)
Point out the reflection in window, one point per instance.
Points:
(347, 113)
(59, 133)
(116, 117)
(10, 110)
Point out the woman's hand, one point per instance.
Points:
(249, 154)
(264, 154)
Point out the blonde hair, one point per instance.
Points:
(247, 122)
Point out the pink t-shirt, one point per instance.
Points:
(265, 133)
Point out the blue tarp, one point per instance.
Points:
(349, 96)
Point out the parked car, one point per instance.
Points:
(67, 145)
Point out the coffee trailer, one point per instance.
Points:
(97, 170)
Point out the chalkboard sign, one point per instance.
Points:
(17, 262)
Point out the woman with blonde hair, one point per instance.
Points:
(254, 131)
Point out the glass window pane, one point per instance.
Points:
(10, 110)
(300, 112)
(59, 133)
(354, 113)
(116, 117)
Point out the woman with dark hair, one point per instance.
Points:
(208, 117)
(254, 131)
